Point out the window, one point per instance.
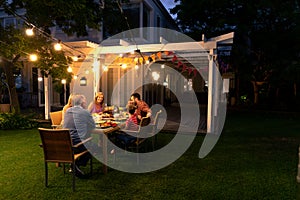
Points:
(9, 22)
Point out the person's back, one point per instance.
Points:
(80, 123)
(78, 120)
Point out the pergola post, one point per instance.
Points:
(47, 99)
(212, 90)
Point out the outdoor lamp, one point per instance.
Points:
(40, 79)
(83, 81)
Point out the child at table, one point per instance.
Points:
(132, 122)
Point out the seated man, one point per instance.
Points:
(143, 109)
(80, 123)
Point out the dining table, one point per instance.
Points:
(106, 125)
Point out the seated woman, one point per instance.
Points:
(66, 107)
(97, 105)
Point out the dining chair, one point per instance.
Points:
(154, 125)
(133, 139)
(58, 148)
(56, 118)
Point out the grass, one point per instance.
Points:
(255, 158)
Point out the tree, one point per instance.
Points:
(265, 34)
(14, 48)
(74, 17)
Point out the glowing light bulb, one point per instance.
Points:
(57, 47)
(69, 69)
(33, 57)
(29, 32)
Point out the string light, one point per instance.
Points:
(57, 46)
(69, 69)
(33, 57)
(75, 58)
(105, 68)
(29, 32)
(155, 76)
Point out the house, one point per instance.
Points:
(139, 13)
(157, 61)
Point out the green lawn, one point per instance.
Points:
(255, 158)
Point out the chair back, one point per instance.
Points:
(145, 121)
(57, 145)
(144, 127)
(155, 120)
(56, 117)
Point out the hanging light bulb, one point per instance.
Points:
(105, 68)
(69, 69)
(40, 79)
(29, 32)
(75, 58)
(33, 57)
(63, 81)
(155, 76)
(57, 46)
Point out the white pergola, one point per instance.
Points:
(197, 54)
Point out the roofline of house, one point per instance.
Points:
(166, 13)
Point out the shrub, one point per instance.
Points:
(16, 121)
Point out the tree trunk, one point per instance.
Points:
(256, 85)
(13, 96)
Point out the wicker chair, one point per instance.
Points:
(56, 118)
(58, 148)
